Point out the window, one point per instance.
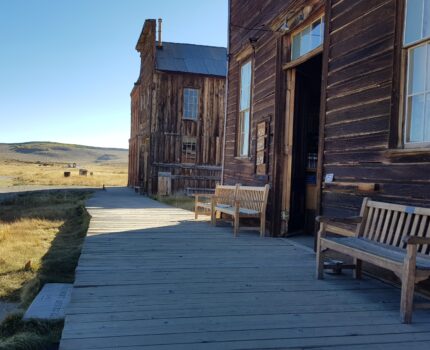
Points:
(188, 149)
(417, 43)
(307, 39)
(244, 109)
(191, 103)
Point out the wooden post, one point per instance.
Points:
(319, 257)
(236, 217)
(358, 269)
(213, 211)
(196, 210)
(408, 283)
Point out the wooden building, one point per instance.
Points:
(328, 102)
(177, 114)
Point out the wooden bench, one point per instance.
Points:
(249, 202)
(391, 236)
(204, 203)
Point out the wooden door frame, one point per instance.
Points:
(287, 147)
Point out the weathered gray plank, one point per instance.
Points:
(150, 277)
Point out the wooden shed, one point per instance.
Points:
(328, 102)
(177, 114)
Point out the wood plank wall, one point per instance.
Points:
(362, 86)
(245, 15)
(141, 107)
(133, 146)
(168, 127)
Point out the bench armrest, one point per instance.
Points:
(416, 240)
(345, 220)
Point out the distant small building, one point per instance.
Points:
(177, 114)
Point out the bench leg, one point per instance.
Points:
(358, 269)
(320, 254)
(408, 284)
(262, 226)
(236, 225)
(320, 265)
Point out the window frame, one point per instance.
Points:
(186, 141)
(239, 147)
(186, 117)
(406, 49)
(320, 16)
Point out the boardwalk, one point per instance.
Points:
(150, 277)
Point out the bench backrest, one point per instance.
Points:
(251, 197)
(227, 193)
(388, 223)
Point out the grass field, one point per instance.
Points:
(41, 235)
(15, 173)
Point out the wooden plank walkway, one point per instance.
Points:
(150, 277)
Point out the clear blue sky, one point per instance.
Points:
(67, 66)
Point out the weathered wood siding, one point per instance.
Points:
(141, 109)
(168, 127)
(362, 107)
(245, 15)
(133, 146)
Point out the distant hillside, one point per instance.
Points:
(61, 153)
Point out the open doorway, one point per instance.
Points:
(307, 95)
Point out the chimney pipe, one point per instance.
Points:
(160, 42)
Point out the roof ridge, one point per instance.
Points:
(218, 47)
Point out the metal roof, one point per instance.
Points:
(189, 58)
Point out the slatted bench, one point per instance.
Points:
(204, 203)
(391, 236)
(249, 202)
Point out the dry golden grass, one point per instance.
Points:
(41, 236)
(26, 173)
(23, 241)
(37, 231)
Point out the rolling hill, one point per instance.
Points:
(61, 153)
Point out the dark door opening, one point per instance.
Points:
(305, 146)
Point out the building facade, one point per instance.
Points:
(327, 102)
(177, 114)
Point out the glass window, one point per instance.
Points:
(417, 127)
(417, 26)
(308, 39)
(244, 108)
(188, 149)
(191, 103)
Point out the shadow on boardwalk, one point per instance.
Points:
(150, 277)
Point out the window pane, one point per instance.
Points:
(295, 52)
(244, 133)
(308, 39)
(191, 103)
(316, 34)
(245, 86)
(415, 118)
(427, 120)
(417, 70)
(426, 18)
(413, 25)
(305, 39)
